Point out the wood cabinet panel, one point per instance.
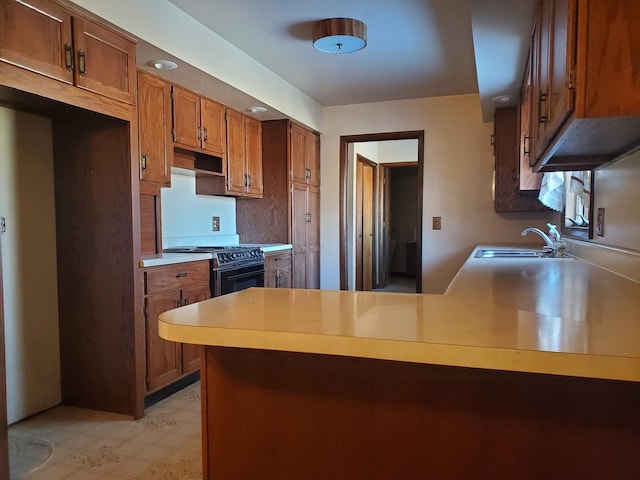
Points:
(277, 269)
(168, 287)
(36, 34)
(198, 123)
(175, 277)
(186, 118)
(253, 137)
(236, 153)
(508, 197)
(154, 129)
(528, 180)
(288, 211)
(585, 110)
(164, 360)
(213, 127)
(313, 159)
(45, 37)
(149, 224)
(105, 61)
(191, 354)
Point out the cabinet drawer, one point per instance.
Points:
(176, 277)
(277, 260)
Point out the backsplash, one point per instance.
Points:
(186, 217)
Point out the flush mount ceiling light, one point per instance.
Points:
(502, 99)
(163, 64)
(339, 35)
(257, 109)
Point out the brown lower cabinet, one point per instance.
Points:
(277, 269)
(168, 287)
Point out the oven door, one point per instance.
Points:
(236, 279)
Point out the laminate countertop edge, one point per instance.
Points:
(560, 317)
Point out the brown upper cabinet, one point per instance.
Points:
(244, 159)
(45, 37)
(527, 180)
(305, 158)
(198, 123)
(154, 121)
(584, 102)
(509, 196)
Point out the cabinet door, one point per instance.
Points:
(164, 359)
(105, 61)
(154, 120)
(299, 222)
(36, 34)
(313, 159)
(562, 58)
(298, 154)
(312, 236)
(284, 277)
(186, 118)
(214, 128)
(541, 43)
(191, 353)
(236, 153)
(253, 131)
(527, 179)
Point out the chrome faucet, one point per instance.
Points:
(550, 243)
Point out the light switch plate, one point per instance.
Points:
(215, 224)
(437, 223)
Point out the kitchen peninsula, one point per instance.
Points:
(525, 368)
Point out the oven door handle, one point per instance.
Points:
(244, 275)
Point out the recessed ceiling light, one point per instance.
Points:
(257, 109)
(163, 64)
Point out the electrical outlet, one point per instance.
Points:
(215, 224)
(600, 222)
(437, 223)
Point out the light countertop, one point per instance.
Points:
(564, 317)
(171, 258)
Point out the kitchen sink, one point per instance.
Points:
(517, 253)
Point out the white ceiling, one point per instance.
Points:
(415, 48)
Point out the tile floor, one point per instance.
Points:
(399, 284)
(90, 445)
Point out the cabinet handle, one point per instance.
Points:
(144, 162)
(308, 218)
(68, 54)
(277, 279)
(178, 303)
(248, 180)
(525, 144)
(82, 63)
(542, 98)
(186, 301)
(199, 133)
(182, 275)
(206, 134)
(493, 139)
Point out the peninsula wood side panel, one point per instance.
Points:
(4, 442)
(290, 416)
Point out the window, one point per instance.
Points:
(578, 204)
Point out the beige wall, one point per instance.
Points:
(617, 190)
(29, 264)
(457, 181)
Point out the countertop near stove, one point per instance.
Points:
(171, 258)
(555, 316)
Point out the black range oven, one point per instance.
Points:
(233, 268)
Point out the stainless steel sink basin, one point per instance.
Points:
(516, 253)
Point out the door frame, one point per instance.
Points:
(4, 441)
(344, 175)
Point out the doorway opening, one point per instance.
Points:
(380, 249)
